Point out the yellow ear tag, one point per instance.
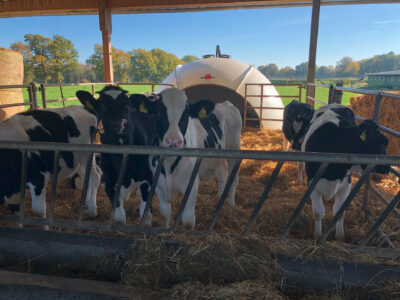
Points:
(202, 113)
(89, 105)
(143, 108)
(363, 135)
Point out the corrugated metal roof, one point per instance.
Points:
(397, 72)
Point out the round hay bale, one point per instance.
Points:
(11, 73)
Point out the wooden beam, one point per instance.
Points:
(313, 49)
(106, 30)
(24, 8)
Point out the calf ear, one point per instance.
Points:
(201, 109)
(87, 100)
(308, 113)
(145, 103)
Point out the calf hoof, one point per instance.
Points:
(119, 215)
(92, 213)
(189, 226)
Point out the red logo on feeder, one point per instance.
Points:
(207, 77)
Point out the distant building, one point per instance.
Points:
(384, 80)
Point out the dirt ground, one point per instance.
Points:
(277, 210)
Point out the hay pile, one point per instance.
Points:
(389, 115)
(278, 208)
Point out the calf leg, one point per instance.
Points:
(318, 212)
(39, 201)
(94, 181)
(144, 192)
(300, 170)
(232, 191)
(164, 202)
(222, 174)
(188, 215)
(120, 215)
(340, 197)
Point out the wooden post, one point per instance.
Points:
(313, 49)
(106, 30)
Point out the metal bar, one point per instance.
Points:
(30, 94)
(151, 193)
(395, 172)
(383, 128)
(187, 192)
(264, 119)
(24, 167)
(384, 200)
(245, 106)
(331, 94)
(54, 176)
(17, 104)
(276, 108)
(118, 186)
(75, 84)
(300, 88)
(152, 88)
(34, 96)
(357, 91)
(261, 106)
(380, 220)
(318, 84)
(14, 86)
(390, 95)
(43, 91)
(316, 100)
(267, 96)
(263, 196)
(303, 201)
(338, 158)
(377, 107)
(221, 202)
(382, 236)
(62, 100)
(346, 203)
(93, 91)
(88, 170)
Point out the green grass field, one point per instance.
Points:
(53, 93)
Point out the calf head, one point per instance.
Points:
(172, 112)
(112, 108)
(372, 141)
(297, 118)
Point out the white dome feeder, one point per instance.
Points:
(219, 78)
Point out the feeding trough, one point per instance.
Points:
(219, 77)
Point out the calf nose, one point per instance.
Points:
(173, 142)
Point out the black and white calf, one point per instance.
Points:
(123, 125)
(74, 125)
(200, 125)
(333, 129)
(296, 122)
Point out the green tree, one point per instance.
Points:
(39, 56)
(27, 59)
(167, 63)
(121, 65)
(287, 72)
(270, 70)
(96, 60)
(325, 71)
(302, 70)
(352, 69)
(143, 65)
(342, 64)
(189, 58)
(62, 57)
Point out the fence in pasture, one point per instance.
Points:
(261, 108)
(238, 155)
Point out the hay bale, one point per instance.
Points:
(389, 115)
(11, 73)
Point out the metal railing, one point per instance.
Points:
(31, 89)
(201, 154)
(335, 96)
(261, 108)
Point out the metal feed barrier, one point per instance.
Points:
(280, 157)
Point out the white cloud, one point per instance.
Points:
(387, 22)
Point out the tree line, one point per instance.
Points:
(55, 60)
(346, 67)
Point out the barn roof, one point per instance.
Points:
(397, 72)
(23, 8)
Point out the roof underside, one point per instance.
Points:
(25, 8)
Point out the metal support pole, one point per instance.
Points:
(43, 91)
(24, 167)
(93, 91)
(187, 192)
(346, 203)
(313, 49)
(263, 196)
(118, 186)
(380, 220)
(221, 202)
(245, 106)
(54, 176)
(151, 193)
(34, 96)
(85, 187)
(331, 95)
(303, 201)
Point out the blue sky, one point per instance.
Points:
(258, 36)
